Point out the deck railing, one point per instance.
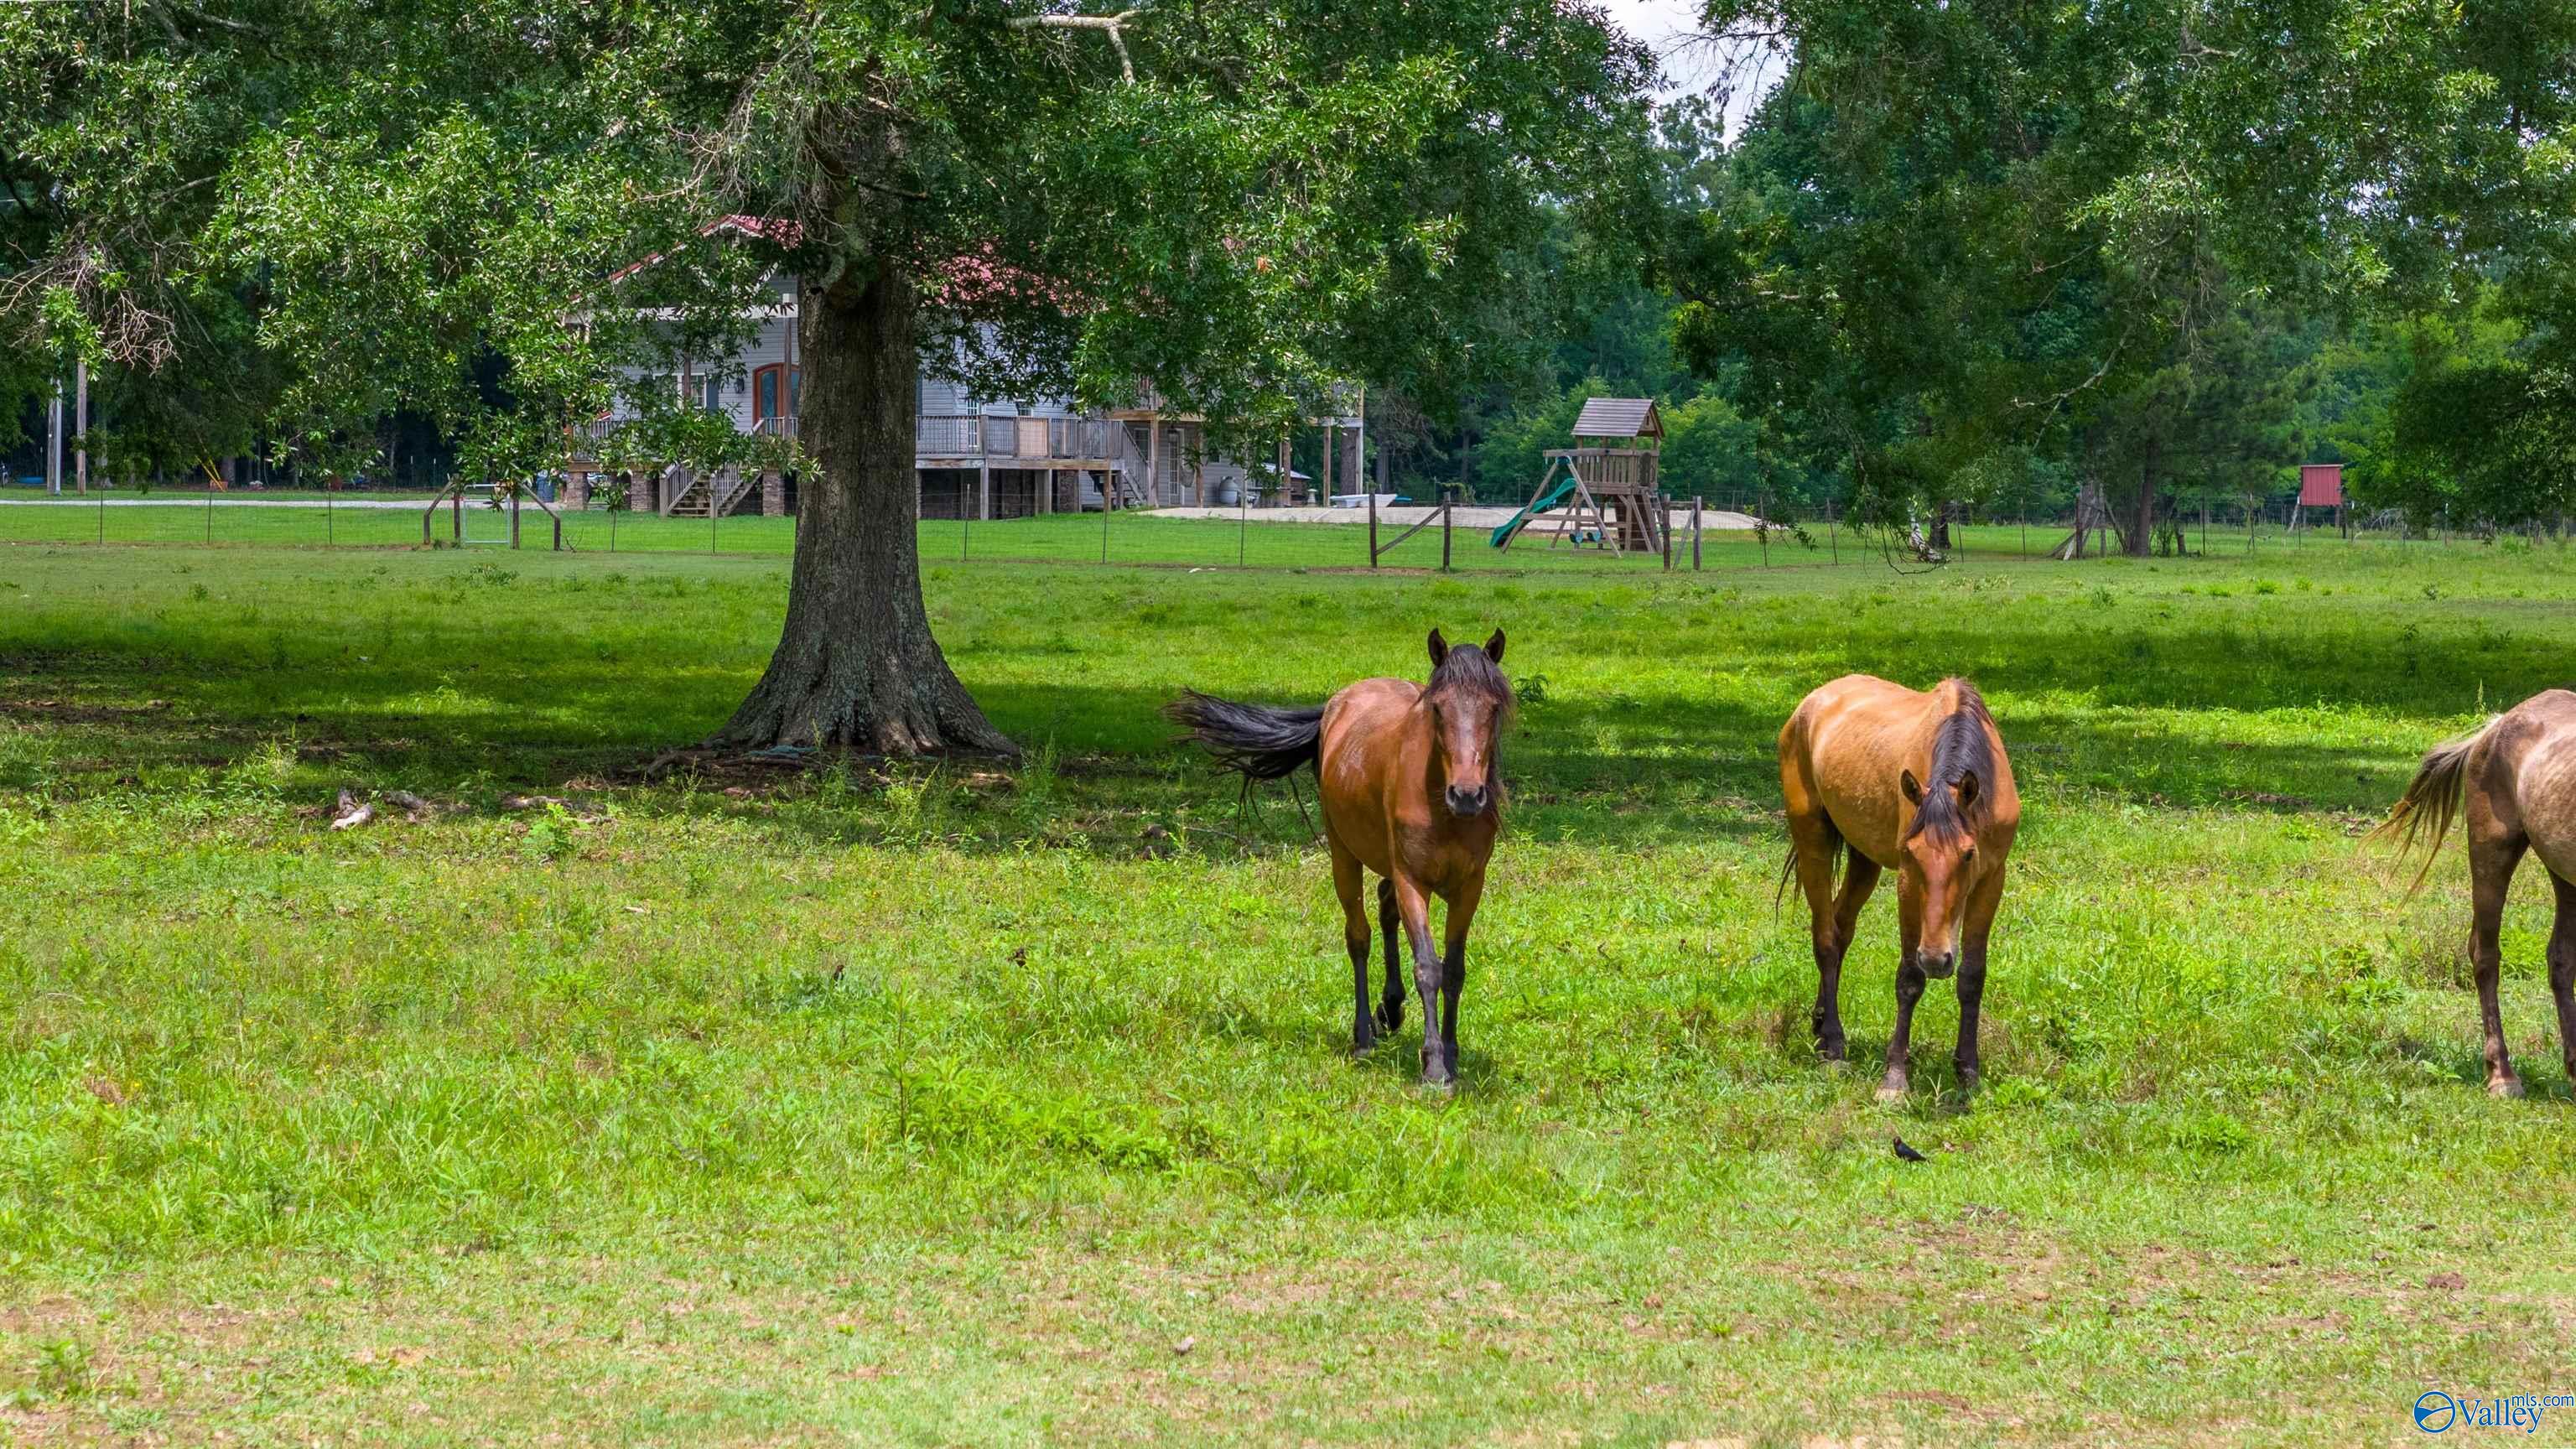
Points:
(941, 436)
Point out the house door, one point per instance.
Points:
(773, 395)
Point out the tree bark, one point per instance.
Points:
(2137, 537)
(856, 665)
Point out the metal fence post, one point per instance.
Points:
(102, 520)
(330, 533)
(1243, 524)
(1696, 502)
(1106, 499)
(210, 513)
(1833, 534)
(1448, 516)
(1372, 506)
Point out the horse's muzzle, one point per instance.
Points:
(1470, 799)
(1936, 965)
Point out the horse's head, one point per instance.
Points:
(1939, 867)
(1469, 700)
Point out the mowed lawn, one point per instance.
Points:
(986, 1104)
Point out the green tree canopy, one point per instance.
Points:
(1238, 203)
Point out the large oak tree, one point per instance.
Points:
(1237, 203)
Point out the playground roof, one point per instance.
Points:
(1619, 417)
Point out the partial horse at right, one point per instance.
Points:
(2514, 781)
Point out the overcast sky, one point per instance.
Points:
(1666, 25)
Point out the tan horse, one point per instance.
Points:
(1411, 784)
(1880, 777)
(2516, 778)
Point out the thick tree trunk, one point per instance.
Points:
(2137, 536)
(856, 665)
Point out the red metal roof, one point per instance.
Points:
(2320, 485)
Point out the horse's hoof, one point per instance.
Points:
(1891, 1093)
(2505, 1087)
(1967, 1083)
(1836, 1065)
(1389, 1018)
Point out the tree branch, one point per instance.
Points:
(1110, 24)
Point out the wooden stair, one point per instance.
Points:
(714, 495)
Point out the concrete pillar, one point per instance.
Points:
(773, 493)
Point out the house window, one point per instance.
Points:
(711, 393)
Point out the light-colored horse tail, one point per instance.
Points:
(2432, 801)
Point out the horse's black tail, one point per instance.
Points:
(1261, 742)
(1837, 852)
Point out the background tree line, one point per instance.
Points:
(1973, 254)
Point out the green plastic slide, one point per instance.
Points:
(1552, 498)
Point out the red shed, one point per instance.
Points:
(2321, 485)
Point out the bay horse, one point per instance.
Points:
(2514, 778)
(1880, 777)
(1410, 778)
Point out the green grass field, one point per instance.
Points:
(977, 1105)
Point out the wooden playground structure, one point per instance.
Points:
(1604, 492)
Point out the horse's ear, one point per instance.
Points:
(1494, 647)
(1912, 787)
(1967, 789)
(1439, 649)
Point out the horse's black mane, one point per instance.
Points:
(1469, 667)
(1960, 747)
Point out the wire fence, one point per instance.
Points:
(1457, 536)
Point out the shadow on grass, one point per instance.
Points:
(454, 695)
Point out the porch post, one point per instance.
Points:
(1154, 459)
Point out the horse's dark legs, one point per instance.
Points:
(1415, 908)
(1355, 939)
(1453, 968)
(1390, 1006)
(1910, 982)
(2491, 864)
(1833, 940)
(1830, 919)
(1972, 974)
(2562, 970)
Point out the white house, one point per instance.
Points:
(976, 457)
